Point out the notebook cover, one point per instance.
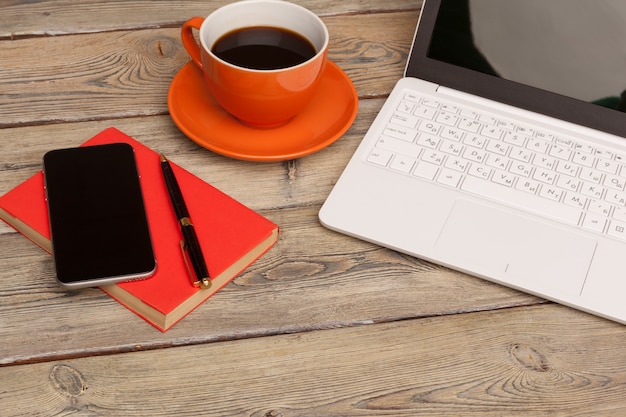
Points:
(232, 236)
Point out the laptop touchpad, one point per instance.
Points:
(515, 250)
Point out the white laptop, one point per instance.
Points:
(502, 153)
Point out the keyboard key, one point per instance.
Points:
(590, 175)
(406, 107)
(379, 157)
(545, 176)
(411, 96)
(525, 130)
(457, 164)
(568, 183)
(600, 207)
(515, 138)
(476, 141)
(450, 108)
(425, 112)
(451, 147)
(488, 119)
(431, 102)
(497, 161)
(527, 185)
(449, 177)
(430, 127)
(503, 178)
(567, 168)
(560, 152)
(492, 132)
(400, 132)
(520, 154)
(585, 148)
(428, 141)
(614, 182)
(592, 190)
(426, 170)
(616, 197)
(546, 162)
(617, 229)
(452, 133)
(447, 119)
(538, 145)
(500, 148)
(584, 159)
(469, 125)
(521, 169)
(575, 200)
(476, 155)
(551, 193)
(608, 166)
(594, 222)
(405, 120)
(399, 146)
(620, 214)
(480, 171)
(434, 157)
(402, 163)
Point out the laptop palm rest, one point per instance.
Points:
(543, 257)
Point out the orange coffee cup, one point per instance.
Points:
(266, 94)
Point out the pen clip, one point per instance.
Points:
(195, 281)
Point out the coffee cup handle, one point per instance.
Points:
(189, 41)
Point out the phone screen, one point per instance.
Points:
(99, 229)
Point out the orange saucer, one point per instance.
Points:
(198, 116)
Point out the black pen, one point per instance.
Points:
(190, 242)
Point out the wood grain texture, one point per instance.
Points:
(127, 73)
(260, 186)
(62, 17)
(511, 363)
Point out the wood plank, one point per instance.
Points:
(127, 73)
(543, 361)
(60, 17)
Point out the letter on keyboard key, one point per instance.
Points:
(430, 127)
(406, 121)
(449, 177)
(400, 132)
(402, 163)
(594, 222)
(620, 214)
(379, 157)
(399, 146)
(617, 230)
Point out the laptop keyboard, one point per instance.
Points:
(517, 165)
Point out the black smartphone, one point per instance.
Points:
(98, 225)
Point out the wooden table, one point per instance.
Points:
(321, 325)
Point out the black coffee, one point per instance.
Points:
(264, 48)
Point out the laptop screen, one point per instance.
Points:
(551, 56)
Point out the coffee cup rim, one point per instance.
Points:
(208, 49)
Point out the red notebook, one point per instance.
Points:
(231, 235)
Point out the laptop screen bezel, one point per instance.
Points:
(509, 92)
